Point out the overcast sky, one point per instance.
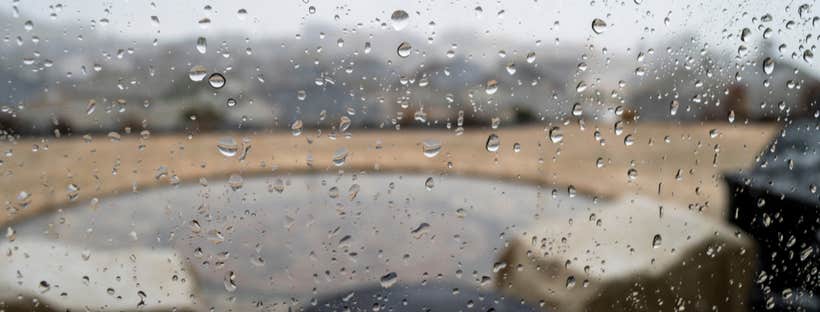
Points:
(630, 24)
(527, 20)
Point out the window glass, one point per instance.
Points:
(311, 155)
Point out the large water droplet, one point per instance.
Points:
(201, 45)
(197, 73)
(399, 19)
(72, 191)
(429, 183)
(339, 157)
(744, 34)
(599, 26)
(570, 281)
(629, 140)
(235, 181)
(581, 87)
(493, 143)
(296, 127)
(23, 199)
(808, 56)
(230, 281)
(92, 106)
(768, 66)
(420, 230)
(204, 22)
(404, 49)
(618, 127)
(431, 148)
(389, 279)
(530, 57)
(227, 146)
(577, 110)
(673, 107)
(216, 81)
(657, 241)
(632, 174)
(231, 102)
(556, 135)
(491, 87)
(344, 123)
(803, 10)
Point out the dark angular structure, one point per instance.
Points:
(778, 204)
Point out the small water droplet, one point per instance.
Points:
(11, 234)
(231, 102)
(479, 11)
(429, 183)
(511, 68)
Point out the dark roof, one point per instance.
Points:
(790, 165)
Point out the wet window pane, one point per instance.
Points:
(310, 155)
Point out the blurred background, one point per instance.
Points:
(283, 155)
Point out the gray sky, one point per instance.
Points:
(630, 24)
(527, 20)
